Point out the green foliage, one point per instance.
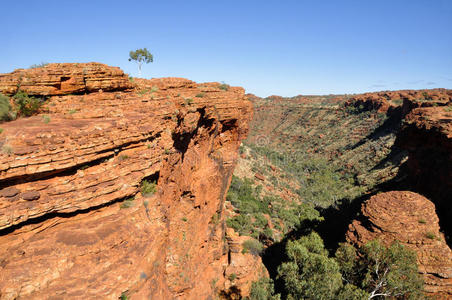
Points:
(254, 210)
(232, 276)
(5, 108)
(430, 235)
(1, 130)
(148, 188)
(310, 273)
(189, 101)
(123, 296)
(422, 221)
(224, 86)
(200, 95)
(127, 203)
(252, 246)
(46, 119)
(263, 289)
(123, 157)
(41, 65)
(141, 56)
(27, 105)
(379, 270)
(370, 271)
(7, 149)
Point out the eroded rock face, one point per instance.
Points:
(65, 229)
(410, 219)
(64, 78)
(390, 100)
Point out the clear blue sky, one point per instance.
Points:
(268, 47)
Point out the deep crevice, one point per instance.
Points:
(70, 170)
(53, 215)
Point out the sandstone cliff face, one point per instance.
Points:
(65, 229)
(427, 136)
(389, 100)
(410, 219)
(63, 79)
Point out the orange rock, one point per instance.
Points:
(259, 176)
(65, 78)
(62, 229)
(410, 219)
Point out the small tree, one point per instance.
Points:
(141, 56)
(310, 273)
(381, 271)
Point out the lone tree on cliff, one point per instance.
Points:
(141, 56)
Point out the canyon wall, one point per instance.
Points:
(410, 219)
(73, 223)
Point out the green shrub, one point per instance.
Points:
(241, 224)
(7, 149)
(223, 87)
(5, 108)
(123, 296)
(232, 276)
(27, 105)
(200, 95)
(127, 203)
(46, 119)
(123, 157)
(430, 235)
(263, 289)
(354, 273)
(41, 65)
(1, 130)
(422, 221)
(252, 246)
(148, 188)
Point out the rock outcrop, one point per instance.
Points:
(73, 223)
(411, 219)
(64, 78)
(390, 100)
(426, 134)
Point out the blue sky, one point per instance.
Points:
(268, 47)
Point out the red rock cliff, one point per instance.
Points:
(409, 218)
(66, 231)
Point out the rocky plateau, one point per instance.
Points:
(73, 223)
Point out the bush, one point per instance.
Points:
(252, 246)
(127, 203)
(223, 87)
(381, 270)
(26, 105)
(41, 65)
(263, 289)
(5, 108)
(354, 273)
(232, 276)
(430, 235)
(148, 188)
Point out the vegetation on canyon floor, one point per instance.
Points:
(300, 163)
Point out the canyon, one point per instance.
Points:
(73, 223)
(76, 221)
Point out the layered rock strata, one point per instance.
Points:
(411, 219)
(73, 223)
